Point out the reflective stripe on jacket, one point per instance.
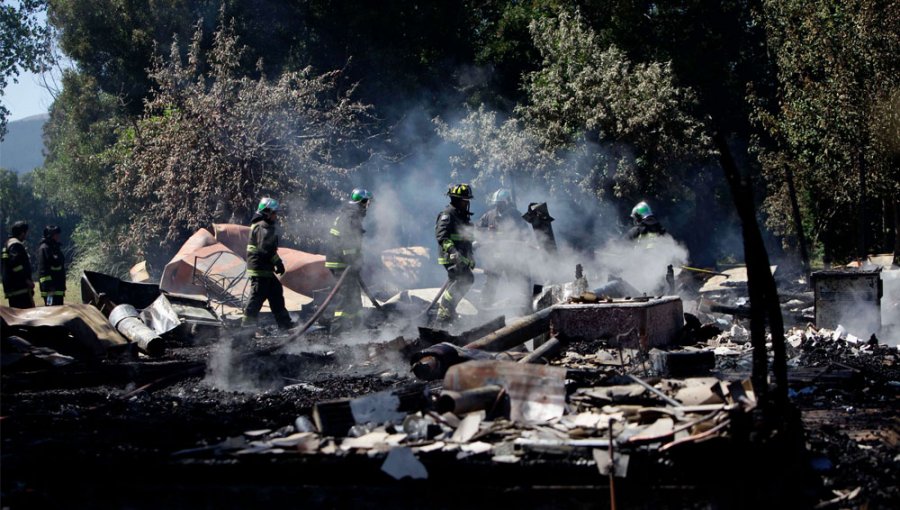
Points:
(51, 268)
(16, 268)
(262, 248)
(453, 232)
(345, 238)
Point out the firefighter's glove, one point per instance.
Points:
(279, 268)
(454, 258)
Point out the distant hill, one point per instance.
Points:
(22, 150)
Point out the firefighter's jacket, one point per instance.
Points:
(16, 268)
(502, 224)
(262, 249)
(51, 268)
(646, 228)
(453, 232)
(346, 238)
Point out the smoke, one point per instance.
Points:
(890, 308)
(410, 192)
(225, 370)
(305, 222)
(851, 304)
(643, 263)
(409, 189)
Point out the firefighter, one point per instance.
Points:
(17, 283)
(454, 237)
(501, 223)
(345, 251)
(52, 267)
(646, 226)
(263, 263)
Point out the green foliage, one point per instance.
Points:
(503, 44)
(94, 251)
(602, 99)
(585, 92)
(213, 140)
(20, 201)
(24, 44)
(497, 153)
(838, 79)
(113, 41)
(77, 171)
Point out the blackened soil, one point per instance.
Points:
(78, 443)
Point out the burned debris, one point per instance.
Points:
(603, 387)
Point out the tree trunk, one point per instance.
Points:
(764, 302)
(863, 219)
(798, 220)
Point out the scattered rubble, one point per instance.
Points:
(589, 390)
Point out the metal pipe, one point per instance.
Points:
(517, 333)
(127, 321)
(546, 349)
(669, 400)
(429, 368)
(463, 402)
(612, 467)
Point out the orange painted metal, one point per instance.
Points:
(222, 258)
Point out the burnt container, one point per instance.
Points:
(851, 298)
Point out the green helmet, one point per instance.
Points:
(360, 196)
(267, 203)
(641, 211)
(463, 191)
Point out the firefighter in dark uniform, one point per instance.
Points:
(453, 232)
(52, 267)
(646, 226)
(263, 263)
(345, 251)
(502, 222)
(18, 286)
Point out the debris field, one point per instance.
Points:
(589, 399)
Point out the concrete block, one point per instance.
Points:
(652, 323)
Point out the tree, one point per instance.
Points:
(837, 64)
(635, 112)
(501, 153)
(504, 46)
(25, 44)
(113, 41)
(78, 169)
(213, 140)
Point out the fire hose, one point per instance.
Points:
(704, 271)
(435, 300)
(362, 285)
(315, 316)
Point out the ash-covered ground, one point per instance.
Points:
(75, 441)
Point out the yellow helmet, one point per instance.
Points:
(463, 191)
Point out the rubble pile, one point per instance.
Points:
(588, 390)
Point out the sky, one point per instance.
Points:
(29, 97)
(26, 98)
